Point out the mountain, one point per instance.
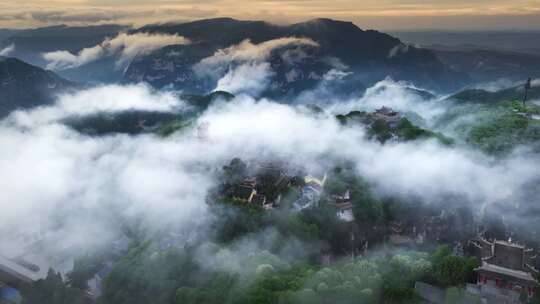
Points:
(495, 122)
(399, 129)
(364, 56)
(508, 41)
(485, 65)
(136, 122)
(6, 33)
(24, 86)
(483, 96)
(31, 43)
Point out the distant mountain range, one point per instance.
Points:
(507, 41)
(345, 59)
(24, 86)
(365, 56)
(489, 65)
(507, 94)
(31, 43)
(369, 55)
(6, 33)
(496, 122)
(486, 56)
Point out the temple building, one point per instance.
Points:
(387, 114)
(344, 207)
(506, 273)
(243, 193)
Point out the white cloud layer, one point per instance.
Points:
(124, 46)
(7, 50)
(250, 78)
(111, 99)
(80, 188)
(246, 51)
(243, 68)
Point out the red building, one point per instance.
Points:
(506, 272)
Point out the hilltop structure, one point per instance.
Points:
(261, 184)
(388, 115)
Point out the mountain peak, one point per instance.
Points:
(326, 24)
(13, 60)
(26, 86)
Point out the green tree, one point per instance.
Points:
(453, 270)
(235, 171)
(84, 269)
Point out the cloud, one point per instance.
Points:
(76, 189)
(7, 50)
(14, 16)
(243, 68)
(77, 17)
(124, 46)
(79, 186)
(335, 75)
(249, 78)
(103, 99)
(398, 49)
(247, 52)
(62, 60)
(399, 95)
(370, 14)
(93, 16)
(499, 84)
(329, 91)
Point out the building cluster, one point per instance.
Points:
(429, 229)
(505, 276)
(247, 192)
(23, 261)
(265, 183)
(262, 188)
(391, 117)
(383, 123)
(311, 191)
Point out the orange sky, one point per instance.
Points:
(378, 14)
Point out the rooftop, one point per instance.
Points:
(243, 192)
(509, 244)
(386, 111)
(521, 275)
(20, 272)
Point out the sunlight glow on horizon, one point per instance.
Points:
(383, 14)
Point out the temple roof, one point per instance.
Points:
(21, 272)
(518, 275)
(242, 192)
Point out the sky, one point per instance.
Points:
(369, 14)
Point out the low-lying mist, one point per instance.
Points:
(77, 190)
(57, 181)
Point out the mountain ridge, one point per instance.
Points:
(23, 86)
(370, 55)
